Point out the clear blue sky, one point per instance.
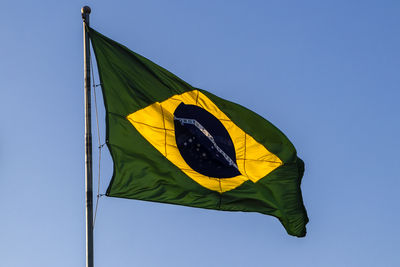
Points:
(327, 73)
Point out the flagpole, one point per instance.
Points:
(88, 141)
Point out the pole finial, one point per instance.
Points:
(85, 10)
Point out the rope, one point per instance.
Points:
(100, 146)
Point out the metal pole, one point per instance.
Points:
(88, 141)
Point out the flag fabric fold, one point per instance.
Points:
(174, 143)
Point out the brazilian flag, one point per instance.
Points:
(174, 143)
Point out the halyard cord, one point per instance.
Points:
(100, 146)
(209, 136)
